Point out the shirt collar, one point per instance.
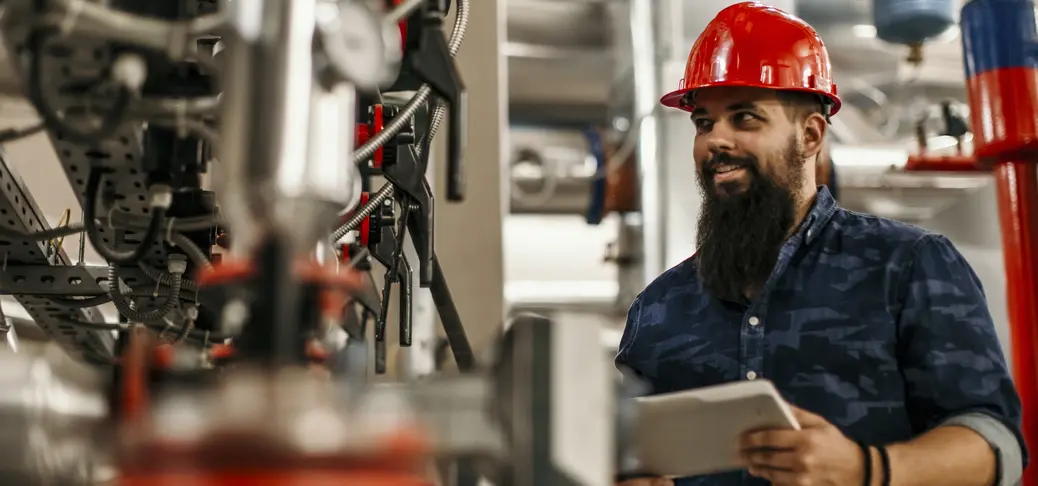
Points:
(821, 212)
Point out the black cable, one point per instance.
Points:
(184, 332)
(110, 122)
(124, 219)
(44, 235)
(15, 134)
(100, 326)
(81, 303)
(451, 320)
(194, 334)
(93, 190)
(187, 332)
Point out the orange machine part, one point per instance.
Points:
(250, 460)
(134, 393)
(275, 478)
(622, 185)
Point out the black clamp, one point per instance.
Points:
(427, 60)
(407, 174)
(389, 252)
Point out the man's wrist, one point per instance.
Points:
(900, 457)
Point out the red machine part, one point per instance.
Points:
(365, 131)
(1002, 86)
(949, 163)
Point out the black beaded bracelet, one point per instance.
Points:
(866, 452)
(884, 459)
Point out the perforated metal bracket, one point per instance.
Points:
(69, 62)
(18, 211)
(57, 280)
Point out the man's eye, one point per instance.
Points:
(744, 117)
(701, 123)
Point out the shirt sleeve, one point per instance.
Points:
(948, 350)
(623, 355)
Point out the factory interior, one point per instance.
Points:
(459, 327)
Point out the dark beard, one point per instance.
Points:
(740, 234)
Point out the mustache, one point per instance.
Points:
(722, 159)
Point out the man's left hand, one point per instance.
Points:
(818, 454)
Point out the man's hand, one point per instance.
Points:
(818, 454)
(647, 482)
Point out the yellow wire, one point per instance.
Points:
(64, 221)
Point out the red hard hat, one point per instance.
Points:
(754, 45)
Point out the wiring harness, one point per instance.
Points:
(121, 91)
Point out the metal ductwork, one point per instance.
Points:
(560, 63)
(550, 171)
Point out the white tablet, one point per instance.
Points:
(696, 432)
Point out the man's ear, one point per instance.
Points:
(814, 129)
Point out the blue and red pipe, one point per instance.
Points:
(1000, 46)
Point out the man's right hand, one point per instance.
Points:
(647, 482)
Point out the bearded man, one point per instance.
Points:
(876, 332)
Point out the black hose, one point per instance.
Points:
(165, 278)
(451, 319)
(81, 303)
(93, 190)
(47, 234)
(15, 134)
(122, 303)
(123, 219)
(187, 332)
(98, 326)
(110, 122)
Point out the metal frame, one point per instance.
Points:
(70, 60)
(18, 211)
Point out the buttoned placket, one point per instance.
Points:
(751, 348)
(753, 342)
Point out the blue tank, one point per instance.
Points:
(912, 21)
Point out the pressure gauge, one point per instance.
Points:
(353, 40)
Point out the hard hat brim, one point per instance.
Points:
(674, 99)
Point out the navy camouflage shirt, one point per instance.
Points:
(878, 326)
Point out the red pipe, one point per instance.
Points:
(1017, 189)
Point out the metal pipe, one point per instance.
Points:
(651, 171)
(1003, 98)
(282, 154)
(1017, 189)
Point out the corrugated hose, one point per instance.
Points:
(364, 152)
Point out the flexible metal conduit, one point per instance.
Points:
(398, 123)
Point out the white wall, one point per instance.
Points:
(558, 259)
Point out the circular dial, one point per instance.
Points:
(353, 39)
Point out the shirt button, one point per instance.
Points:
(754, 321)
(752, 375)
(809, 233)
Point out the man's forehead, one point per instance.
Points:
(720, 99)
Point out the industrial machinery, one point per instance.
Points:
(241, 353)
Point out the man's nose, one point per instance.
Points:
(719, 139)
